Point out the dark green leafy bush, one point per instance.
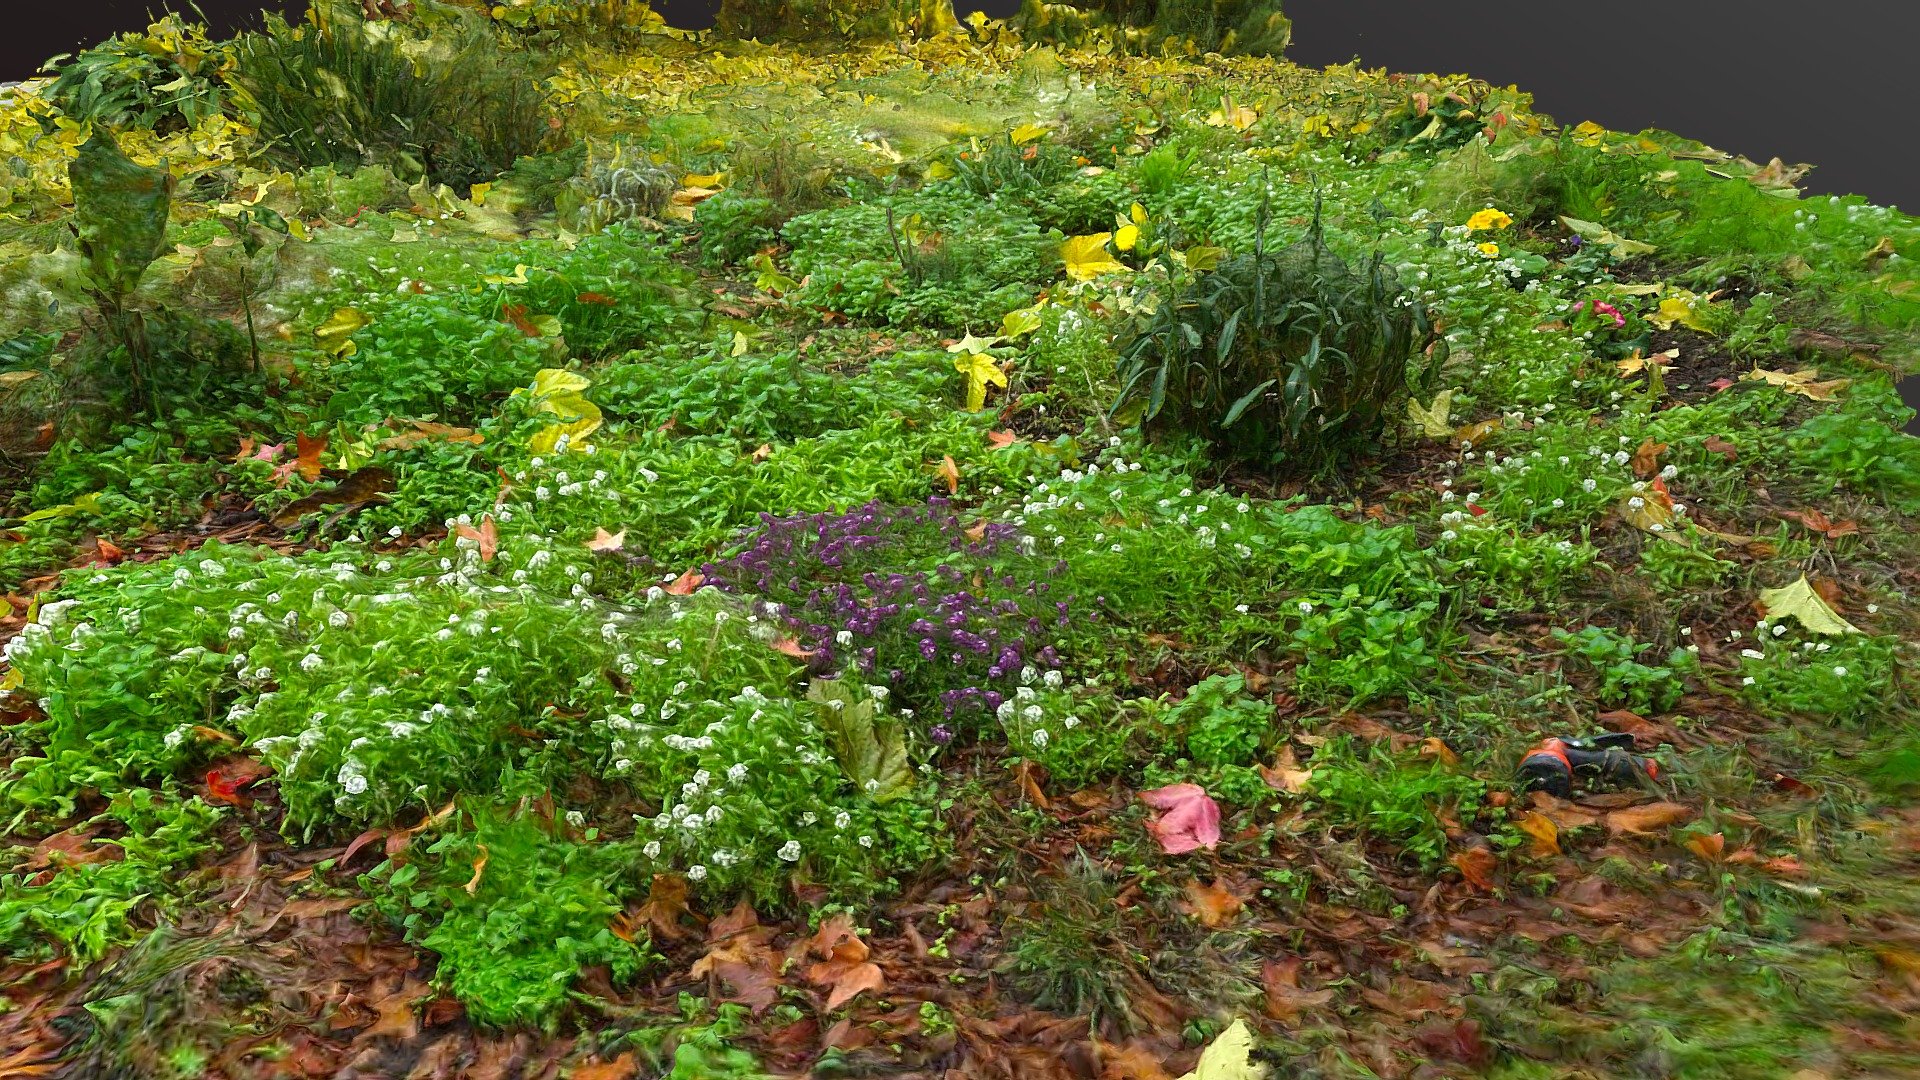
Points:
(165, 79)
(1289, 359)
(1254, 27)
(1222, 725)
(455, 108)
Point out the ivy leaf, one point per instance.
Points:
(1086, 257)
(871, 749)
(980, 369)
(1800, 601)
(1432, 419)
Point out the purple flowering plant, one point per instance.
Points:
(910, 598)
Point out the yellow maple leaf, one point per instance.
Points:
(1432, 419)
(980, 369)
(1800, 601)
(336, 334)
(558, 391)
(1229, 1057)
(1086, 257)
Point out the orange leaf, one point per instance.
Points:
(1433, 747)
(1214, 905)
(666, 903)
(479, 868)
(485, 536)
(1477, 866)
(1286, 774)
(1000, 440)
(686, 583)
(949, 472)
(225, 780)
(604, 541)
(517, 315)
(1545, 834)
(1646, 459)
(1822, 524)
(846, 971)
(793, 648)
(1711, 847)
(621, 1068)
(1720, 446)
(763, 452)
(1642, 820)
(308, 460)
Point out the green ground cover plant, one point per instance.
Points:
(541, 543)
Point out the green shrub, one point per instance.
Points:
(1625, 682)
(1221, 725)
(165, 79)
(454, 108)
(428, 356)
(1378, 796)
(1252, 27)
(1290, 359)
(1862, 454)
(1361, 649)
(1848, 678)
(733, 227)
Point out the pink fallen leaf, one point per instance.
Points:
(1190, 818)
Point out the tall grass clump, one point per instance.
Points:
(339, 91)
(1290, 359)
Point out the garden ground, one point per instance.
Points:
(739, 560)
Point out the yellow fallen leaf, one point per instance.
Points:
(1126, 237)
(1021, 321)
(681, 203)
(980, 369)
(1545, 834)
(518, 277)
(1647, 511)
(1804, 382)
(1800, 601)
(478, 194)
(1137, 213)
(1595, 233)
(1683, 307)
(1086, 257)
(336, 334)
(703, 180)
(558, 392)
(1475, 434)
(1204, 258)
(939, 170)
(739, 344)
(15, 378)
(1027, 133)
(1229, 114)
(1635, 364)
(1229, 1057)
(1432, 419)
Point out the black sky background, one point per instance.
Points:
(1821, 83)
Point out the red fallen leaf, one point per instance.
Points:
(1720, 446)
(1476, 511)
(517, 315)
(1458, 1040)
(1281, 980)
(485, 536)
(672, 421)
(308, 459)
(686, 583)
(1000, 440)
(225, 780)
(793, 648)
(595, 298)
(106, 554)
(1785, 866)
(666, 905)
(1819, 522)
(1718, 385)
(1476, 864)
(1191, 819)
(1793, 786)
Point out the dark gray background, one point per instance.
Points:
(1807, 82)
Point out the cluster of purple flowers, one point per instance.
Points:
(908, 595)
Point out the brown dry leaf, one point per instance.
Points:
(747, 966)
(1436, 748)
(1000, 440)
(1720, 446)
(1545, 834)
(1215, 905)
(423, 431)
(1285, 1000)
(604, 541)
(364, 486)
(1644, 820)
(1373, 731)
(623, 1067)
(1711, 847)
(666, 903)
(1646, 733)
(686, 583)
(1822, 524)
(1646, 459)
(846, 971)
(1477, 865)
(1028, 774)
(479, 870)
(1129, 1063)
(396, 1014)
(1286, 774)
(949, 472)
(977, 532)
(762, 452)
(1562, 813)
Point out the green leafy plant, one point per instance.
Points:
(1360, 648)
(120, 217)
(1379, 796)
(1625, 682)
(1284, 359)
(1221, 725)
(166, 79)
(338, 91)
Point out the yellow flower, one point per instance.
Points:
(1491, 251)
(1488, 219)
